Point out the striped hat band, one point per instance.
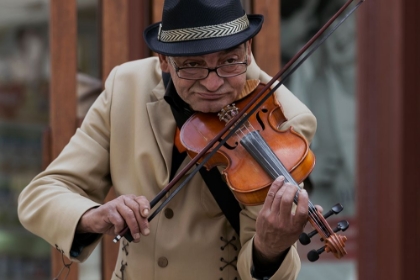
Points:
(203, 32)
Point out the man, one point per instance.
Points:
(127, 141)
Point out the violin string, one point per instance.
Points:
(312, 212)
(273, 175)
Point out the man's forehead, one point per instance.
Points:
(234, 49)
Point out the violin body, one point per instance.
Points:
(247, 179)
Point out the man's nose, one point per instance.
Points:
(213, 82)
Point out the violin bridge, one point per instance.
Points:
(228, 113)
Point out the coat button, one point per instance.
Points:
(163, 262)
(169, 213)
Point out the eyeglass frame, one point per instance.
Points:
(214, 69)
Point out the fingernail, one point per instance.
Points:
(146, 231)
(146, 212)
(136, 236)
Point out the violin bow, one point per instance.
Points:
(241, 117)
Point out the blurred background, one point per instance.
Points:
(327, 83)
(24, 118)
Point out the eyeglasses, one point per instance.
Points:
(199, 73)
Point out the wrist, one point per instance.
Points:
(267, 253)
(264, 267)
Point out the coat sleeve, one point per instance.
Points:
(77, 180)
(303, 122)
(290, 267)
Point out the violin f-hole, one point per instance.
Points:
(227, 146)
(259, 119)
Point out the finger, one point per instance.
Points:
(131, 203)
(144, 209)
(275, 186)
(301, 213)
(285, 209)
(319, 208)
(275, 206)
(140, 207)
(130, 219)
(144, 206)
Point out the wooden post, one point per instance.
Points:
(115, 50)
(267, 42)
(157, 10)
(115, 30)
(123, 23)
(139, 19)
(63, 45)
(388, 137)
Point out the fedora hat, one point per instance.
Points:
(197, 27)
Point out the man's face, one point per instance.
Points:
(212, 93)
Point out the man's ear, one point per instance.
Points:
(164, 63)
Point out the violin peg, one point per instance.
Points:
(334, 210)
(342, 225)
(313, 255)
(305, 238)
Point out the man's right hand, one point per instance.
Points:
(112, 217)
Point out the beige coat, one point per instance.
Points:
(126, 141)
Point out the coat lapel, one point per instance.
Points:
(163, 126)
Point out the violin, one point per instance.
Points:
(295, 168)
(257, 154)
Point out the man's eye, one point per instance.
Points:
(191, 64)
(231, 60)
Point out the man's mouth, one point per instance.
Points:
(210, 96)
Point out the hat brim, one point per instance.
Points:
(202, 46)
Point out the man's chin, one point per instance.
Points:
(211, 108)
(208, 111)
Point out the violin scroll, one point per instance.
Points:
(333, 243)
